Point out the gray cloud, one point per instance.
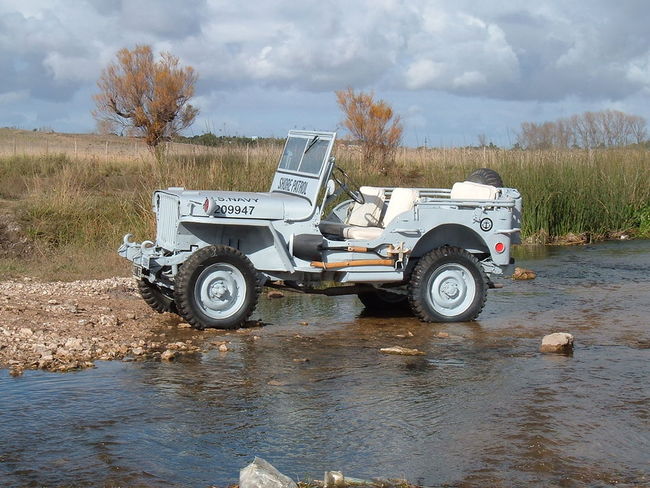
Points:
(593, 51)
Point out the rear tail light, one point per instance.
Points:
(499, 247)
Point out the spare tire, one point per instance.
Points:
(486, 176)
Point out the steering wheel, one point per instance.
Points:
(347, 185)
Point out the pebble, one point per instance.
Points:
(168, 355)
(404, 351)
(223, 348)
(524, 274)
(275, 294)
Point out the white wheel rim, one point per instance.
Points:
(220, 290)
(451, 289)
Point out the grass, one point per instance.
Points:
(76, 207)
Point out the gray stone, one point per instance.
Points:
(333, 479)
(261, 474)
(558, 342)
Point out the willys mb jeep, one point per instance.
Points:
(432, 251)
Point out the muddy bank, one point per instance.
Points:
(60, 326)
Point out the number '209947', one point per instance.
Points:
(234, 209)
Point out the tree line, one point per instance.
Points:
(607, 128)
(149, 97)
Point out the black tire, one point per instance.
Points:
(155, 297)
(217, 287)
(447, 285)
(384, 301)
(486, 176)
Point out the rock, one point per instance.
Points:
(26, 332)
(443, 335)
(333, 479)
(275, 294)
(404, 351)
(168, 355)
(108, 320)
(223, 348)
(301, 360)
(559, 342)
(74, 344)
(261, 474)
(184, 325)
(138, 351)
(303, 323)
(523, 274)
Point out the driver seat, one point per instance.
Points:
(369, 213)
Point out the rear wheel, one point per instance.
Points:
(486, 176)
(217, 287)
(448, 285)
(158, 300)
(384, 301)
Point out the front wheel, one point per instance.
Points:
(158, 300)
(448, 285)
(217, 287)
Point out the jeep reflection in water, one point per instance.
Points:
(428, 250)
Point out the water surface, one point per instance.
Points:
(481, 408)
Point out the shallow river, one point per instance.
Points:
(482, 408)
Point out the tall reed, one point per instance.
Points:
(84, 206)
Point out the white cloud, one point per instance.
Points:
(549, 51)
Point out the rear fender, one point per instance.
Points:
(449, 235)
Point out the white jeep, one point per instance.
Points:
(429, 250)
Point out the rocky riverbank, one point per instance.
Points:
(62, 326)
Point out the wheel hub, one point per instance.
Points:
(451, 289)
(220, 290)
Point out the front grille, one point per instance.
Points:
(167, 220)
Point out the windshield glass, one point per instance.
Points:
(304, 154)
(313, 158)
(292, 154)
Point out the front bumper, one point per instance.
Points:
(144, 256)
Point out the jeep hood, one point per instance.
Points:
(234, 204)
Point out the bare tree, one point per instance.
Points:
(607, 128)
(146, 97)
(373, 123)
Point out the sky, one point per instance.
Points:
(453, 70)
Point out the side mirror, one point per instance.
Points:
(331, 188)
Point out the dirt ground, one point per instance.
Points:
(62, 326)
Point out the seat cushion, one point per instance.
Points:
(468, 190)
(362, 233)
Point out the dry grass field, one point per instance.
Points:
(69, 198)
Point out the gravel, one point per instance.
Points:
(63, 326)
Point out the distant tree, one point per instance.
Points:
(607, 128)
(373, 124)
(145, 97)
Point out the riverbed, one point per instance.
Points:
(482, 407)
